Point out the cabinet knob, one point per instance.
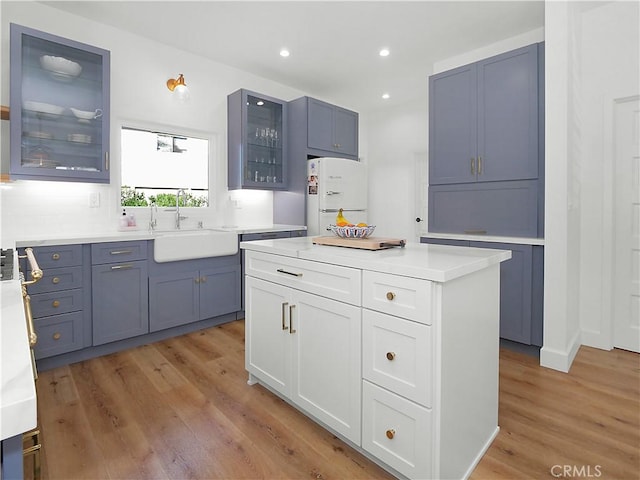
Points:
(55, 303)
(391, 296)
(391, 355)
(57, 335)
(391, 433)
(196, 280)
(55, 280)
(55, 256)
(203, 279)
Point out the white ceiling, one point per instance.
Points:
(334, 45)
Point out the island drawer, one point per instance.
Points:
(115, 252)
(58, 334)
(397, 295)
(56, 279)
(398, 354)
(397, 431)
(331, 281)
(53, 303)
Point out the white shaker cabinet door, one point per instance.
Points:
(327, 362)
(267, 342)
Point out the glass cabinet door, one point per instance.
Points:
(59, 108)
(257, 142)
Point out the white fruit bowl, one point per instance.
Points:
(60, 65)
(353, 232)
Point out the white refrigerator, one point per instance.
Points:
(332, 184)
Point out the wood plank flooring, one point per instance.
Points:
(181, 408)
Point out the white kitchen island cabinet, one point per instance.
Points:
(395, 351)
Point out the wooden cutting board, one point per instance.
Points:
(371, 243)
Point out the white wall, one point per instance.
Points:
(139, 71)
(592, 58)
(610, 69)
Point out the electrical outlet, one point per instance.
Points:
(94, 199)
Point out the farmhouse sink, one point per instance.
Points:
(189, 245)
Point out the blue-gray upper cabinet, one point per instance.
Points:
(332, 129)
(483, 120)
(120, 294)
(256, 141)
(59, 108)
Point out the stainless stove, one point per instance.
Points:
(6, 263)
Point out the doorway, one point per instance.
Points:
(626, 231)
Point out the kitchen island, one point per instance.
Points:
(395, 351)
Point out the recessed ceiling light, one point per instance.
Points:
(384, 52)
(259, 103)
(385, 96)
(284, 52)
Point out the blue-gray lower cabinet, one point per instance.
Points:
(184, 297)
(188, 291)
(11, 458)
(120, 294)
(521, 288)
(61, 300)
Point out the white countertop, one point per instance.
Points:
(17, 386)
(439, 263)
(70, 238)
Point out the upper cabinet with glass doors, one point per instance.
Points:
(59, 108)
(257, 144)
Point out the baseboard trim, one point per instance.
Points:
(560, 360)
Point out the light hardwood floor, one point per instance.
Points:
(181, 408)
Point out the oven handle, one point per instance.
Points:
(31, 331)
(36, 273)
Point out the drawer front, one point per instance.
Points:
(56, 279)
(57, 256)
(58, 334)
(398, 354)
(248, 237)
(115, 252)
(400, 296)
(331, 281)
(397, 431)
(54, 303)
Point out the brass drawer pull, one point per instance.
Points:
(55, 256)
(473, 166)
(120, 252)
(284, 306)
(55, 280)
(391, 433)
(55, 303)
(391, 355)
(391, 296)
(57, 336)
(291, 329)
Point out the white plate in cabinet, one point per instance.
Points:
(398, 354)
(397, 431)
(396, 295)
(331, 281)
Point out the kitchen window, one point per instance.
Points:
(157, 163)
